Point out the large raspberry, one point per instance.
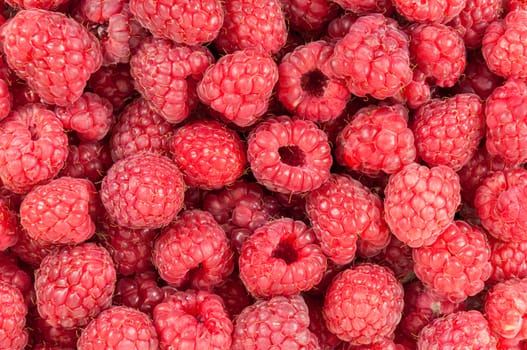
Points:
(288, 155)
(508, 260)
(420, 202)
(309, 16)
(145, 190)
(363, 304)
(58, 64)
(13, 312)
(429, 11)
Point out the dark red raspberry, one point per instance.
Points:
(304, 86)
(477, 78)
(144, 190)
(309, 16)
(114, 83)
(37, 4)
(239, 86)
(513, 5)
(9, 228)
(288, 155)
(74, 285)
(317, 324)
(13, 311)
(508, 260)
(193, 320)
(33, 147)
(42, 332)
(193, 249)
(88, 160)
(99, 11)
(431, 11)
(340, 26)
(119, 327)
(208, 153)
(6, 99)
(363, 304)
(373, 57)
(13, 274)
(31, 251)
(398, 257)
(140, 291)
(416, 93)
(234, 295)
(366, 7)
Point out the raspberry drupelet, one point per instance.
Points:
(87, 160)
(429, 11)
(13, 311)
(309, 16)
(113, 83)
(9, 227)
(508, 260)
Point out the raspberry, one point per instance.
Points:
(340, 26)
(304, 87)
(113, 83)
(88, 160)
(234, 295)
(430, 11)
(145, 190)
(74, 285)
(58, 64)
(462, 329)
(508, 260)
(13, 312)
(503, 48)
(43, 332)
(317, 324)
(366, 7)
(252, 24)
(373, 57)
(193, 320)
(140, 291)
(32, 251)
(100, 11)
(420, 202)
(363, 304)
(12, 274)
(288, 155)
(9, 229)
(477, 78)
(416, 93)
(119, 327)
(239, 86)
(398, 257)
(177, 66)
(377, 139)
(33, 147)
(139, 128)
(309, 16)
(209, 154)
(6, 99)
(37, 4)
(193, 249)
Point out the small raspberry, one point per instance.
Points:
(239, 86)
(42, 332)
(234, 295)
(9, 228)
(398, 257)
(114, 83)
(88, 160)
(429, 11)
(74, 285)
(310, 16)
(193, 320)
(513, 5)
(12, 274)
(32, 251)
(420, 202)
(477, 78)
(13, 311)
(508, 260)
(140, 291)
(288, 155)
(6, 99)
(362, 7)
(145, 190)
(363, 304)
(33, 147)
(119, 327)
(99, 11)
(317, 324)
(340, 26)
(416, 93)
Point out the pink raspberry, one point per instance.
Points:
(208, 153)
(74, 285)
(239, 86)
(477, 78)
(33, 147)
(420, 202)
(363, 304)
(193, 320)
(288, 155)
(193, 249)
(58, 65)
(429, 11)
(234, 295)
(362, 7)
(140, 291)
(9, 229)
(178, 66)
(99, 11)
(13, 311)
(317, 324)
(508, 260)
(309, 16)
(113, 83)
(119, 327)
(144, 190)
(377, 139)
(416, 93)
(304, 86)
(88, 160)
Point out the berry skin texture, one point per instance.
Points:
(145, 190)
(119, 327)
(420, 202)
(193, 320)
(9, 229)
(140, 291)
(309, 16)
(373, 57)
(88, 160)
(365, 7)
(209, 154)
(281, 257)
(430, 11)
(193, 249)
(13, 311)
(458, 330)
(508, 260)
(60, 211)
(474, 19)
(363, 304)
(239, 86)
(113, 83)
(288, 155)
(73, 285)
(53, 53)
(33, 147)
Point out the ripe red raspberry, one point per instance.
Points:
(37, 4)
(416, 93)
(239, 86)
(140, 291)
(420, 202)
(459, 330)
(119, 327)
(178, 67)
(33, 147)
(340, 26)
(193, 320)
(397, 256)
(13, 311)
(99, 11)
(310, 16)
(42, 332)
(252, 24)
(456, 265)
(430, 11)
(6, 99)
(144, 190)
(114, 83)
(477, 78)
(234, 295)
(193, 249)
(363, 304)
(31, 251)
(503, 47)
(74, 285)
(365, 7)
(288, 155)
(304, 85)
(280, 322)
(317, 324)
(58, 65)
(377, 139)
(341, 211)
(14, 275)
(367, 62)
(208, 153)
(9, 229)
(508, 260)
(88, 160)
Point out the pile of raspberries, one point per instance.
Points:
(263, 174)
